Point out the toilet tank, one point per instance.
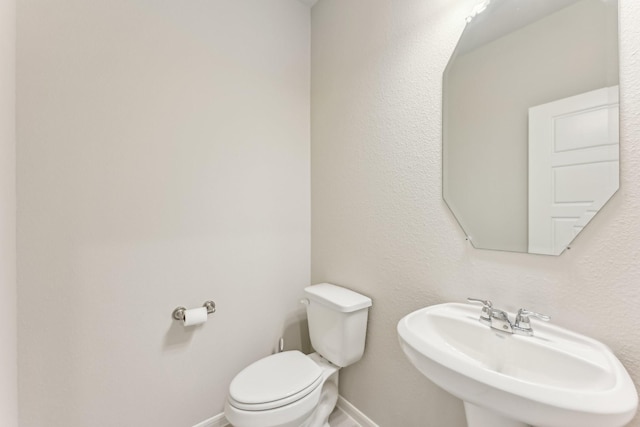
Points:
(337, 322)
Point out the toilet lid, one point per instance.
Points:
(275, 378)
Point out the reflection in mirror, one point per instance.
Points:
(530, 122)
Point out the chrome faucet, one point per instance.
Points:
(523, 323)
(499, 319)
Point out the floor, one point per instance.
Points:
(340, 419)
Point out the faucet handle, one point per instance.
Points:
(523, 315)
(485, 303)
(523, 323)
(485, 316)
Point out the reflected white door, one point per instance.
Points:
(573, 165)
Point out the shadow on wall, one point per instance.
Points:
(178, 335)
(296, 333)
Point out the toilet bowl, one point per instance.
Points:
(290, 389)
(287, 389)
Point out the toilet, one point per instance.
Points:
(291, 389)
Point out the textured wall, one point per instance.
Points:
(8, 331)
(163, 160)
(379, 224)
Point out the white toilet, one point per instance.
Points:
(290, 389)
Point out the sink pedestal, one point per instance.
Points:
(480, 417)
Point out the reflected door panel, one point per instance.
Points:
(573, 165)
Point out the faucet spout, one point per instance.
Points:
(500, 320)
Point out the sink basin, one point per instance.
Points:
(555, 378)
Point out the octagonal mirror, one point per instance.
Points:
(530, 122)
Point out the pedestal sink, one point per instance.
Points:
(555, 378)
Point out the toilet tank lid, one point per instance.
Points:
(336, 297)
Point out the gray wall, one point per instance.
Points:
(8, 330)
(379, 224)
(163, 161)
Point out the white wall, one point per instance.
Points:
(163, 160)
(8, 335)
(379, 224)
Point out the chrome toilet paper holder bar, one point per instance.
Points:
(178, 313)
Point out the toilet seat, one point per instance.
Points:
(274, 381)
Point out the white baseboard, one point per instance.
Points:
(354, 413)
(217, 421)
(343, 404)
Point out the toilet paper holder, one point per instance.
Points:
(178, 313)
